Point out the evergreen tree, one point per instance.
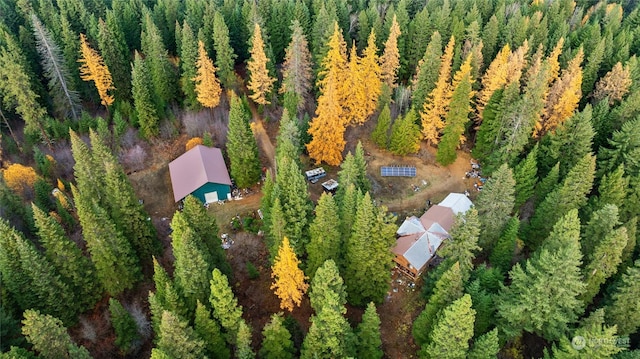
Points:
(177, 338)
(600, 340)
(368, 255)
(260, 83)
(495, 204)
(288, 140)
(612, 190)
(291, 189)
(93, 68)
(209, 331)
(124, 326)
(277, 233)
(296, 72)
(289, 279)
(325, 237)
(621, 311)
(145, 108)
(329, 336)
(327, 288)
(243, 342)
(437, 103)
(486, 346)
(225, 57)
(570, 194)
(192, 263)
(447, 290)
(525, 175)
(600, 226)
(452, 331)
(225, 305)
(65, 98)
(623, 144)
(30, 277)
(49, 337)
(547, 184)
(206, 228)
(502, 253)
(188, 57)
(116, 264)
(543, 295)
(17, 90)
(75, 269)
(160, 70)
(464, 242)
(380, 134)
(368, 334)
(241, 146)
(603, 262)
(405, 135)
(573, 140)
(327, 128)
(206, 82)
(484, 305)
(427, 71)
(277, 342)
(116, 54)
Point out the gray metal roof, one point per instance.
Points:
(196, 167)
(458, 202)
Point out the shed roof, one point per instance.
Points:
(439, 214)
(196, 167)
(458, 202)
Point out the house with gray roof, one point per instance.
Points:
(419, 238)
(202, 172)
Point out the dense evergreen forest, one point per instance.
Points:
(545, 95)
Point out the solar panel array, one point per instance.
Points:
(398, 171)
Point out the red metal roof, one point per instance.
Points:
(196, 167)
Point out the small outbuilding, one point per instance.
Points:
(202, 172)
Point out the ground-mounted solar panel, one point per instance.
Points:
(397, 171)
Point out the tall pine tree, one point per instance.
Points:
(241, 146)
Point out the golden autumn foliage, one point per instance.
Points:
(58, 194)
(193, 143)
(93, 68)
(516, 63)
(390, 59)
(207, 84)
(289, 282)
(554, 65)
(328, 127)
(614, 85)
(19, 178)
(437, 104)
(353, 90)
(563, 98)
(371, 72)
(493, 79)
(60, 185)
(260, 83)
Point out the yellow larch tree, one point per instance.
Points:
(390, 59)
(353, 90)
(260, 83)
(289, 280)
(207, 84)
(19, 178)
(93, 68)
(328, 127)
(563, 96)
(193, 143)
(493, 79)
(554, 65)
(371, 73)
(615, 84)
(437, 104)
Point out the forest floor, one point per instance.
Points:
(402, 196)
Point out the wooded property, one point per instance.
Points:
(319, 179)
